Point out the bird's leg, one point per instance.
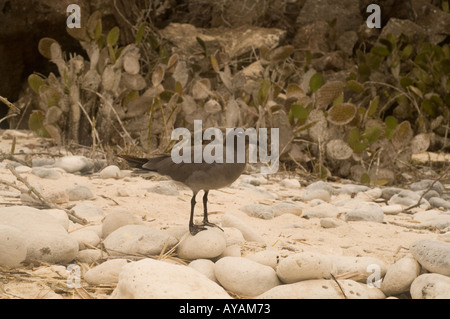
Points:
(194, 229)
(205, 212)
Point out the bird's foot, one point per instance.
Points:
(195, 229)
(206, 223)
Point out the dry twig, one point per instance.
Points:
(36, 195)
(339, 285)
(428, 189)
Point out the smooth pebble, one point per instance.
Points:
(426, 184)
(330, 222)
(392, 209)
(21, 169)
(89, 212)
(105, 273)
(290, 183)
(168, 188)
(111, 171)
(154, 279)
(430, 286)
(75, 163)
(316, 193)
(57, 196)
(13, 246)
(365, 266)
(324, 210)
(248, 232)
(205, 267)
(89, 256)
(115, 220)
(44, 172)
(400, 275)
(268, 257)
(245, 277)
(46, 239)
(367, 212)
(286, 208)
(439, 203)
(233, 236)
(42, 161)
(208, 243)
(230, 251)
(85, 238)
(351, 189)
(59, 215)
(258, 210)
(370, 194)
(408, 198)
(433, 255)
(79, 192)
(388, 192)
(138, 240)
(317, 289)
(304, 266)
(322, 185)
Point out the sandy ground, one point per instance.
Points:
(287, 233)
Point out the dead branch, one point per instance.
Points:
(428, 189)
(35, 194)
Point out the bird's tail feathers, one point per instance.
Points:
(134, 161)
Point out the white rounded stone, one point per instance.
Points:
(323, 210)
(56, 196)
(115, 220)
(317, 289)
(369, 195)
(268, 257)
(72, 164)
(206, 244)
(44, 172)
(304, 266)
(400, 275)
(316, 193)
(138, 239)
(59, 215)
(154, 279)
(286, 208)
(21, 169)
(365, 266)
(13, 246)
(233, 236)
(169, 188)
(258, 211)
(248, 232)
(367, 211)
(89, 212)
(330, 222)
(245, 277)
(290, 183)
(205, 267)
(46, 239)
(90, 256)
(430, 286)
(392, 209)
(433, 255)
(231, 251)
(105, 273)
(111, 171)
(85, 238)
(78, 192)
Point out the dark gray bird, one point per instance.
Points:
(197, 176)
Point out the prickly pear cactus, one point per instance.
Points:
(85, 92)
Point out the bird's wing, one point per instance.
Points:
(142, 162)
